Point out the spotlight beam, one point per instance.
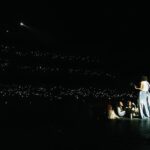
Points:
(24, 25)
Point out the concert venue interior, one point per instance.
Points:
(61, 67)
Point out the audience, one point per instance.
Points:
(131, 109)
(111, 113)
(120, 109)
(47, 63)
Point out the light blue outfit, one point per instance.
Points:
(148, 101)
(121, 113)
(143, 104)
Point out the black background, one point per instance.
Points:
(118, 35)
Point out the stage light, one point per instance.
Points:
(21, 24)
(24, 25)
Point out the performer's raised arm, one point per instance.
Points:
(139, 88)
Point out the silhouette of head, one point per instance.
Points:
(144, 78)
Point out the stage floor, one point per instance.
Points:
(123, 133)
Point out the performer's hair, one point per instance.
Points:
(144, 78)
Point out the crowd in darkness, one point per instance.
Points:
(48, 61)
(27, 65)
(59, 92)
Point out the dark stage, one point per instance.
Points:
(38, 129)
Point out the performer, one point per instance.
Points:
(143, 97)
(148, 100)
